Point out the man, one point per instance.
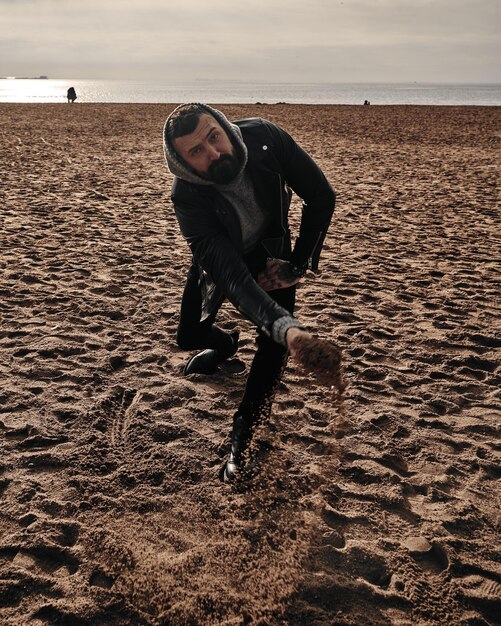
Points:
(231, 194)
(71, 95)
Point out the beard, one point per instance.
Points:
(224, 170)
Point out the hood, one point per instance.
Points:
(178, 167)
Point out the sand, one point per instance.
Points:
(382, 511)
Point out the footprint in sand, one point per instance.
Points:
(46, 549)
(98, 578)
(32, 442)
(66, 416)
(481, 591)
(360, 562)
(15, 588)
(53, 613)
(39, 441)
(48, 559)
(312, 445)
(114, 413)
(430, 556)
(167, 432)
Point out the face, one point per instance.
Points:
(209, 151)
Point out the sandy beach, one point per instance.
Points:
(382, 511)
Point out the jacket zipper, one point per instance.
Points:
(310, 260)
(281, 203)
(282, 224)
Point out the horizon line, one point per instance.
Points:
(269, 81)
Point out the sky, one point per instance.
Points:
(257, 40)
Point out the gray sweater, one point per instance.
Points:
(241, 195)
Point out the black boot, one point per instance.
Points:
(240, 440)
(206, 362)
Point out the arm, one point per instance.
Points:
(213, 250)
(307, 180)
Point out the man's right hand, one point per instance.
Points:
(292, 334)
(320, 357)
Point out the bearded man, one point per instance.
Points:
(231, 193)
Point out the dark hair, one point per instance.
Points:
(183, 121)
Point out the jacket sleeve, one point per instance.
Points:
(214, 252)
(307, 180)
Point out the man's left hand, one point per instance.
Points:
(277, 275)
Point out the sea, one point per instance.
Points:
(247, 92)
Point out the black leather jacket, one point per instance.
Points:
(209, 224)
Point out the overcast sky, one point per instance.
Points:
(269, 40)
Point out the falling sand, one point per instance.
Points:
(377, 504)
(322, 358)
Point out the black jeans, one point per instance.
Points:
(270, 358)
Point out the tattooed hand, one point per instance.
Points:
(276, 276)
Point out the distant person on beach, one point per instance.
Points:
(71, 95)
(366, 102)
(231, 194)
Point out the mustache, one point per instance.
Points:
(224, 169)
(223, 160)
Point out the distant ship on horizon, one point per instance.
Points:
(25, 77)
